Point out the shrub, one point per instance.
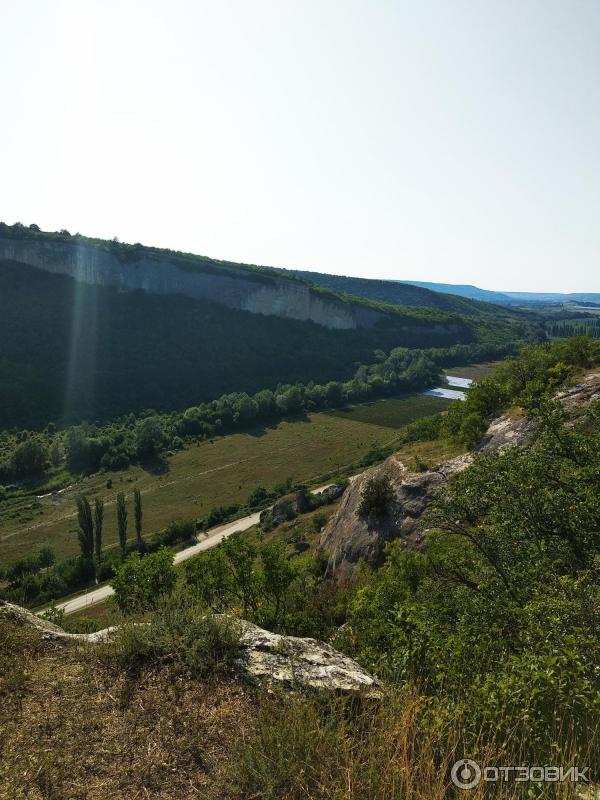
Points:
(30, 458)
(180, 530)
(141, 581)
(376, 496)
(181, 634)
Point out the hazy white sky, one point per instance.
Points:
(441, 140)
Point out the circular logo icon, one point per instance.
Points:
(465, 773)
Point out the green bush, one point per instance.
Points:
(142, 581)
(376, 496)
(181, 634)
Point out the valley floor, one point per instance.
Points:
(213, 473)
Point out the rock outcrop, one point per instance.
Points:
(348, 538)
(265, 658)
(48, 630)
(289, 661)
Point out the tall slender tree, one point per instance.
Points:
(86, 527)
(122, 523)
(137, 512)
(98, 520)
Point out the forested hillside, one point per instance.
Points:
(74, 349)
(78, 351)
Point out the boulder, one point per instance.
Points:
(283, 510)
(332, 493)
(292, 662)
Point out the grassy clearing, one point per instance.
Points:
(473, 371)
(213, 473)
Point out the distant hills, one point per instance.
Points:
(459, 298)
(506, 298)
(400, 292)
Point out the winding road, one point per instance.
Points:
(210, 539)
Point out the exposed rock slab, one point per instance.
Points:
(49, 631)
(292, 662)
(265, 657)
(348, 538)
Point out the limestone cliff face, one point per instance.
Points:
(160, 273)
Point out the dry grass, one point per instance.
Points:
(420, 454)
(299, 748)
(71, 728)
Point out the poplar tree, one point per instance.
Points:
(122, 523)
(86, 527)
(137, 512)
(98, 520)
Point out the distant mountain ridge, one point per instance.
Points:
(402, 293)
(509, 298)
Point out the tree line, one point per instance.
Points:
(87, 448)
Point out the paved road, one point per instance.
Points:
(209, 539)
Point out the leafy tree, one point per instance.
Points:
(86, 527)
(56, 453)
(277, 575)
(265, 404)
(472, 428)
(247, 410)
(150, 438)
(212, 579)
(46, 557)
(137, 512)
(98, 522)
(241, 554)
(376, 496)
(142, 581)
(30, 458)
(122, 523)
(334, 394)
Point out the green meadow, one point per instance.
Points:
(222, 471)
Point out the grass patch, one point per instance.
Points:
(474, 371)
(393, 413)
(181, 634)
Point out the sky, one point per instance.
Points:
(453, 141)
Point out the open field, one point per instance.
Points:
(306, 527)
(213, 473)
(473, 371)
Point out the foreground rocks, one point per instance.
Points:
(265, 658)
(48, 630)
(268, 658)
(348, 538)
